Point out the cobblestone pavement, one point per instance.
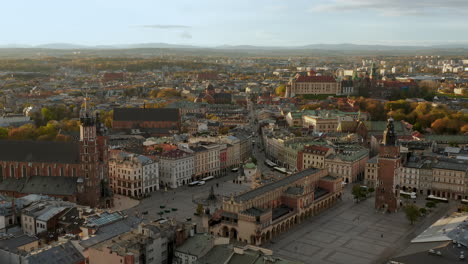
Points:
(123, 202)
(352, 233)
(181, 198)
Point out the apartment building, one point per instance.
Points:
(370, 173)
(206, 159)
(348, 162)
(176, 168)
(133, 174)
(313, 156)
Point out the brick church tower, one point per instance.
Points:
(387, 194)
(95, 190)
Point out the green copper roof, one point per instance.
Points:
(250, 166)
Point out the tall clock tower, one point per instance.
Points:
(387, 194)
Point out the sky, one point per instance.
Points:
(238, 22)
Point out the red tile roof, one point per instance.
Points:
(317, 79)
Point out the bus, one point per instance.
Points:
(209, 178)
(411, 195)
(280, 169)
(270, 163)
(437, 199)
(464, 201)
(193, 183)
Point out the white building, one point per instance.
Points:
(133, 174)
(176, 168)
(207, 159)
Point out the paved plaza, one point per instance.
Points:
(182, 197)
(352, 233)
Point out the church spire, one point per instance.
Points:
(389, 136)
(373, 73)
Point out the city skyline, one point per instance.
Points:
(263, 23)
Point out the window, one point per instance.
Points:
(49, 171)
(12, 171)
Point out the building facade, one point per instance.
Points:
(312, 84)
(176, 168)
(86, 161)
(261, 214)
(133, 174)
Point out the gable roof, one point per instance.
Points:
(39, 151)
(64, 253)
(146, 114)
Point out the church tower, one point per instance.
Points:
(373, 73)
(93, 161)
(387, 194)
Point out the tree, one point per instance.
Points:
(358, 192)
(310, 107)
(3, 133)
(280, 90)
(423, 210)
(412, 212)
(254, 160)
(371, 190)
(200, 209)
(464, 129)
(168, 92)
(224, 130)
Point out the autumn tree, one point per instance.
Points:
(168, 92)
(280, 90)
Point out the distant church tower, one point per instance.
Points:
(93, 161)
(373, 73)
(387, 194)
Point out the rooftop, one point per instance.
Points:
(39, 151)
(64, 253)
(272, 186)
(315, 78)
(146, 114)
(198, 245)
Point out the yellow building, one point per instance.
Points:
(312, 84)
(261, 214)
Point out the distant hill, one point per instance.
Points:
(330, 47)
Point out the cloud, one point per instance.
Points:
(396, 7)
(186, 35)
(165, 26)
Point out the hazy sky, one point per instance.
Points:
(234, 22)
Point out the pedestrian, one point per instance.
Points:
(381, 235)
